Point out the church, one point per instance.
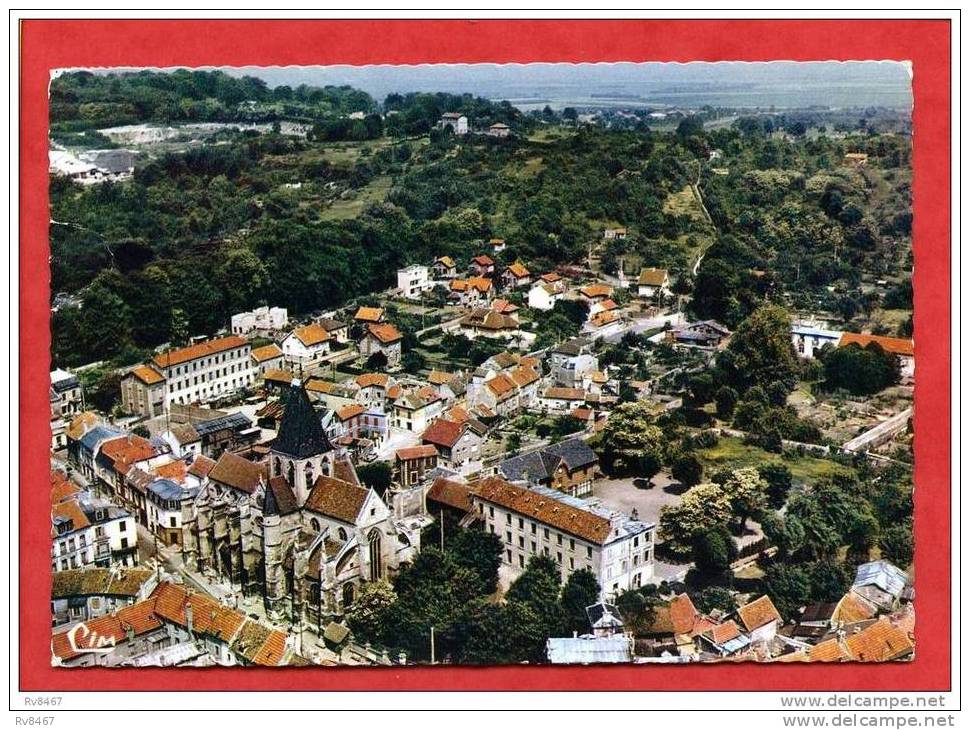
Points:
(298, 528)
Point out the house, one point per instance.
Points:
(504, 306)
(411, 464)
(457, 123)
(263, 321)
(592, 293)
(382, 338)
(372, 390)
(482, 265)
(587, 649)
(562, 399)
(516, 276)
(603, 324)
(576, 534)
(85, 594)
(486, 322)
(724, 640)
(338, 331)
(604, 619)
(898, 346)
(881, 583)
(807, 338)
(143, 392)
(416, 408)
(333, 396)
(497, 245)
(70, 395)
(568, 466)
(653, 283)
(544, 295)
(707, 334)
(571, 361)
(499, 130)
(306, 345)
(459, 446)
(444, 267)
(369, 315)
(208, 370)
(449, 496)
(164, 509)
(414, 281)
(91, 532)
(855, 159)
(879, 642)
(268, 357)
(760, 619)
(471, 291)
(448, 385)
(614, 234)
(505, 391)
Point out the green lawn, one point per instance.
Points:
(733, 453)
(374, 192)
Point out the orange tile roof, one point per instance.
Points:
(593, 291)
(852, 608)
(572, 520)
(758, 613)
(272, 651)
(518, 270)
(504, 306)
(683, 615)
(608, 305)
(311, 334)
(895, 345)
(279, 376)
(174, 470)
(501, 385)
(484, 260)
(604, 317)
(369, 314)
(524, 375)
(564, 393)
(386, 333)
(724, 632)
(880, 642)
(267, 352)
(552, 277)
(81, 424)
(194, 352)
(394, 392)
(446, 260)
(201, 466)
(350, 411)
(457, 414)
(147, 375)
(371, 379)
(208, 615)
(101, 631)
(440, 377)
(451, 493)
(239, 473)
(652, 277)
(830, 650)
(415, 452)
(61, 486)
(497, 241)
(481, 283)
(127, 450)
(70, 510)
(443, 433)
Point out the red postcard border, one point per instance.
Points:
(51, 44)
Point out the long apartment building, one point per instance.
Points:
(618, 549)
(195, 374)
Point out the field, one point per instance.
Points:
(733, 453)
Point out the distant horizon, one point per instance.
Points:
(738, 84)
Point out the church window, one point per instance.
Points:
(308, 473)
(348, 595)
(315, 524)
(376, 568)
(342, 533)
(277, 467)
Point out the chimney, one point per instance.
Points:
(188, 616)
(635, 515)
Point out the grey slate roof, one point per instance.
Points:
(882, 574)
(100, 433)
(235, 421)
(301, 434)
(541, 464)
(604, 615)
(589, 650)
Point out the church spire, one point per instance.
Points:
(301, 435)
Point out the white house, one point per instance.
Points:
(89, 532)
(544, 295)
(653, 282)
(262, 320)
(207, 370)
(618, 549)
(807, 338)
(499, 130)
(413, 281)
(458, 123)
(306, 345)
(266, 358)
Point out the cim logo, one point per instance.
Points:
(85, 641)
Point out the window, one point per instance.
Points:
(572, 563)
(123, 526)
(341, 533)
(545, 533)
(559, 539)
(521, 542)
(559, 558)
(171, 521)
(124, 543)
(491, 511)
(589, 552)
(533, 528)
(521, 524)
(572, 544)
(508, 556)
(508, 537)
(636, 541)
(521, 562)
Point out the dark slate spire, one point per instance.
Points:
(270, 506)
(300, 434)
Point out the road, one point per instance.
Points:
(642, 325)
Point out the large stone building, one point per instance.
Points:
(298, 529)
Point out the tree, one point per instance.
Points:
(745, 491)
(788, 587)
(376, 475)
(538, 588)
(714, 550)
(715, 598)
(687, 469)
(513, 442)
(377, 361)
(180, 327)
(829, 580)
(631, 442)
(862, 371)
(690, 126)
(480, 552)
(778, 479)
(368, 613)
(896, 545)
(761, 351)
(701, 389)
(104, 323)
(725, 399)
(581, 590)
(778, 393)
(701, 508)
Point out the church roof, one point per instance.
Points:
(279, 499)
(300, 434)
(336, 498)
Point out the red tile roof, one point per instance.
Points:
(724, 632)
(370, 379)
(452, 494)
(443, 433)
(830, 650)
(336, 498)
(758, 613)
(311, 334)
(652, 277)
(194, 352)
(518, 270)
(350, 411)
(386, 333)
(147, 375)
(484, 260)
(267, 352)
(564, 394)
(415, 452)
(895, 345)
(594, 291)
(683, 615)
(239, 473)
(369, 314)
(61, 487)
(880, 642)
(565, 517)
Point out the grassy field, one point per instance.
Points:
(684, 203)
(546, 135)
(374, 192)
(733, 453)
